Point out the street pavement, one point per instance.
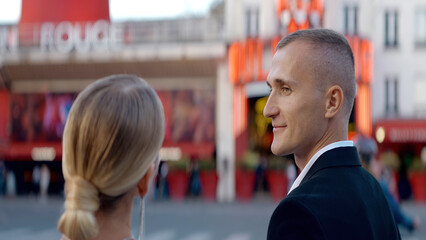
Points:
(27, 218)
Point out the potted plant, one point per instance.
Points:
(418, 180)
(178, 178)
(276, 177)
(208, 178)
(245, 175)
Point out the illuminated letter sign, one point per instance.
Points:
(299, 14)
(64, 40)
(82, 37)
(8, 39)
(46, 36)
(100, 35)
(66, 37)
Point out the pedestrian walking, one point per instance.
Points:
(367, 148)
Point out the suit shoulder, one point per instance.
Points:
(292, 219)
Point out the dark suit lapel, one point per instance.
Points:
(337, 157)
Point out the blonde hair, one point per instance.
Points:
(113, 134)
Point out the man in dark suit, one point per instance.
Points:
(312, 93)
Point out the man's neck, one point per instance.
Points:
(302, 158)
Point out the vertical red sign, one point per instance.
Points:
(4, 118)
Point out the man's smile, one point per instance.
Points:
(278, 127)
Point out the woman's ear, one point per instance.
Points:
(334, 101)
(143, 184)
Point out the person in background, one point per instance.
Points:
(44, 182)
(291, 171)
(367, 148)
(162, 191)
(403, 219)
(2, 177)
(111, 144)
(312, 84)
(260, 180)
(194, 187)
(35, 188)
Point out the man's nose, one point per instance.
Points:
(270, 110)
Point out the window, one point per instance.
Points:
(252, 22)
(420, 28)
(351, 20)
(391, 28)
(420, 96)
(391, 95)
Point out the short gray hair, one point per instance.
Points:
(334, 59)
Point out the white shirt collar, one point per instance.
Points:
(314, 159)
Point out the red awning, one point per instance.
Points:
(38, 151)
(401, 131)
(48, 151)
(189, 149)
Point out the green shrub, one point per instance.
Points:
(207, 164)
(249, 161)
(417, 165)
(277, 163)
(182, 164)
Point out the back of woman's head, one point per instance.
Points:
(113, 134)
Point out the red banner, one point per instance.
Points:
(401, 131)
(55, 11)
(4, 118)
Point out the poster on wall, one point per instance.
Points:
(41, 117)
(189, 115)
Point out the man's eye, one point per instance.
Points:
(285, 90)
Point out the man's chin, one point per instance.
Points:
(279, 151)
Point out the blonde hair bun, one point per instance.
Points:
(81, 195)
(82, 201)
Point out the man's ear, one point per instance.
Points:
(143, 184)
(334, 101)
